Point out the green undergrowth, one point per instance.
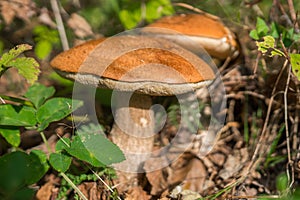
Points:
(36, 110)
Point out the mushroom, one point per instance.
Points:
(202, 29)
(135, 71)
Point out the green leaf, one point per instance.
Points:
(275, 32)
(158, 8)
(253, 34)
(39, 93)
(13, 53)
(19, 170)
(269, 44)
(11, 134)
(261, 27)
(78, 150)
(282, 182)
(60, 162)
(130, 18)
(295, 62)
(42, 49)
(43, 33)
(17, 115)
(62, 144)
(24, 193)
(55, 109)
(27, 67)
(39, 165)
(101, 148)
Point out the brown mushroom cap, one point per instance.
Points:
(206, 29)
(135, 63)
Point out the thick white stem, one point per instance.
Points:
(133, 132)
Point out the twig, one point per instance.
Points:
(263, 132)
(60, 25)
(292, 12)
(2, 100)
(197, 10)
(290, 162)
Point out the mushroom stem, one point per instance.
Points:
(133, 132)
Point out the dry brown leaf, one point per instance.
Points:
(195, 179)
(137, 193)
(234, 163)
(45, 18)
(80, 26)
(89, 189)
(23, 9)
(156, 178)
(45, 192)
(179, 169)
(169, 176)
(217, 158)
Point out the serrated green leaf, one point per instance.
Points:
(295, 62)
(42, 49)
(101, 148)
(60, 162)
(27, 67)
(17, 115)
(11, 134)
(79, 151)
(38, 94)
(55, 109)
(13, 53)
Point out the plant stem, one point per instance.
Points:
(45, 141)
(61, 173)
(73, 186)
(60, 24)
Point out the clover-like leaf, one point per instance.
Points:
(39, 93)
(55, 109)
(260, 30)
(17, 115)
(11, 134)
(60, 162)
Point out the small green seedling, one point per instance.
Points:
(268, 46)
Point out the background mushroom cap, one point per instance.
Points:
(206, 29)
(135, 63)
